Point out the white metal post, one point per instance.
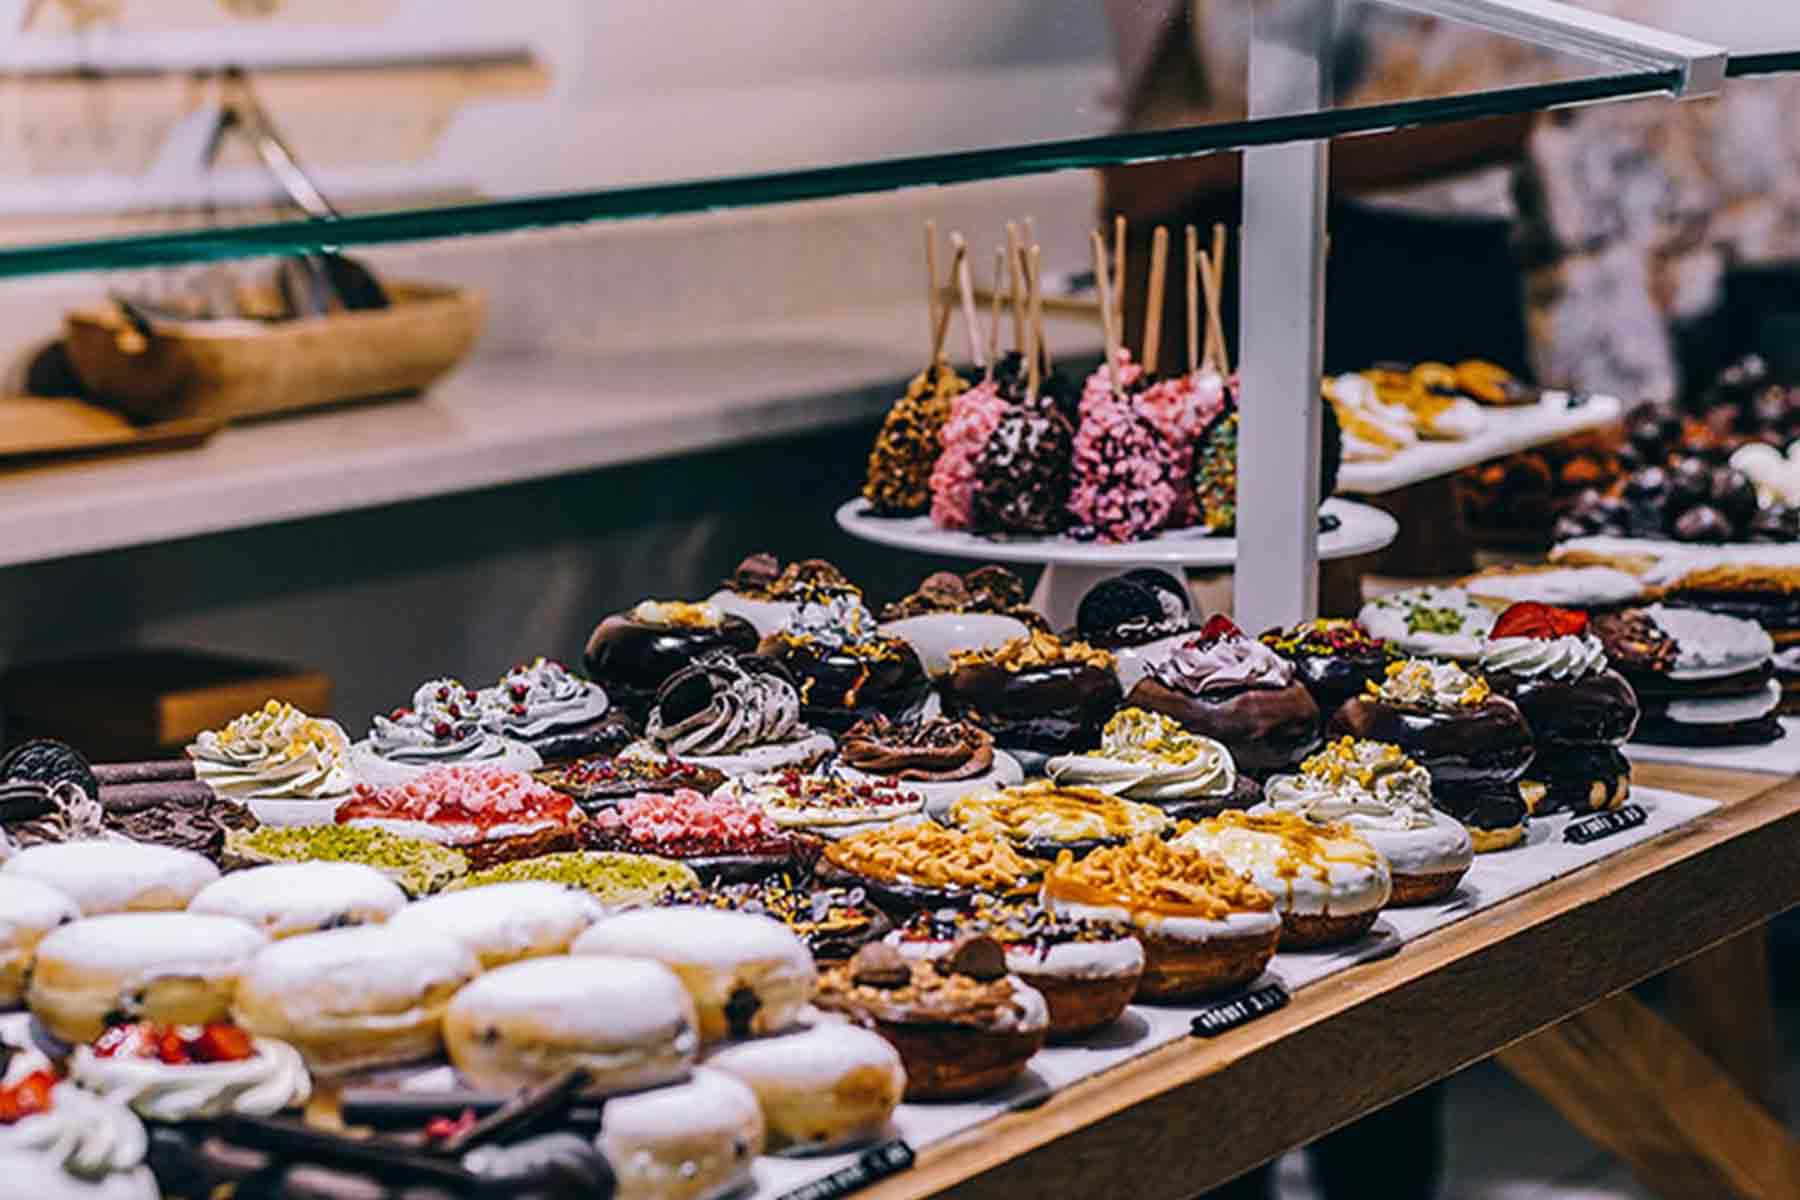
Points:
(1281, 356)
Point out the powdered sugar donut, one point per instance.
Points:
(504, 922)
(288, 899)
(826, 1087)
(116, 876)
(28, 911)
(695, 1141)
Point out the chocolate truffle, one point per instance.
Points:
(1022, 474)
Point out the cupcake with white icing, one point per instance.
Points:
(737, 714)
(558, 714)
(286, 767)
(442, 728)
(1375, 789)
(167, 1075)
(1146, 756)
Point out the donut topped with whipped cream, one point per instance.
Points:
(545, 705)
(724, 704)
(441, 727)
(275, 751)
(1549, 663)
(1146, 756)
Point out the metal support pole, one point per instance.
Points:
(1282, 352)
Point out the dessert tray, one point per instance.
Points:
(1780, 757)
(1504, 431)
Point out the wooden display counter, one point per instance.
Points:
(1539, 980)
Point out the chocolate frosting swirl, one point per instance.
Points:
(719, 705)
(933, 750)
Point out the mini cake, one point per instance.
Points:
(1475, 744)
(1544, 660)
(963, 1026)
(1148, 757)
(1429, 622)
(1702, 679)
(748, 975)
(631, 653)
(560, 716)
(286, 767)
(1329, 883)
(722, 838)
(734, 714)
(846, 668)
(1137, 617)
(175, 968)
(441, 729)
(1087, 971)
(354, 999)
(826, 1087)
(1386, 797)
(696, 1140)
(937, 757)
(627, 1022)
(288, 899)
(898, 483)
(909, 867)
(504, 922)
(1037, 694)
(29, 910)
(1225, 686)
(766, 594)
(615, 880)
(57, 1142)
(171, 1074)
(826, 805)
(833, 922)
(1336, 659)
(1204, 927)
(115, 876)
(489, 814)
(420, 867)
(1042, 819)
(602, 780)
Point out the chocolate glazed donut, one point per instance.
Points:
(1265, 728)
(1054, 709)
(1594, 710)
(838, 689)
(1486, 743)
(1335, 680)
(631, 658)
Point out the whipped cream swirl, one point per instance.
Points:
(540, 697)
(442, 726)
(1369, 784)
(1420, 683)
(747, 708)
(275, 752)
(1571, 658)
(1146, 756)
(87, 1135)
(1227, 664)
(272, 1080)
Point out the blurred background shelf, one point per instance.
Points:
(1507, 431)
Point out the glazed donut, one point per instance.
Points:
(627, 1022)
(504, 922)
(116, 876)
(748, 974)
(289, 899)
(694, 1141)
(826, 1087)
(169, 968)
(354, 998)
(28, 911)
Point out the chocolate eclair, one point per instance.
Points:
(631, 653)
(846, 669)
(1336, 658)
(1038, 694)
(1225, 686)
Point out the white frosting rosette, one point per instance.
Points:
(90, 1137)
(1567, 658)
(273, 1080)
(442, 728)
(537, 698)
(1148, 757)
(287, 767)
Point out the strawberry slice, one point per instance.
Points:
(1530, 619)
(26, 1098)
(222, 1044)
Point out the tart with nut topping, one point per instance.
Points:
(1042, 819)
(1039, 693)
(908, 867)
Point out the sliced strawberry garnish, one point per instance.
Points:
(172, 1048)
(127, 1041)
(222, 1044)
(26, 1098)
(1532, 620)
(1219, 627)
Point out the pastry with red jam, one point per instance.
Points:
(1038, 695)
(489, 814)
(168, 1074)
(631, 653)
(721, 838)
(847, 669)
(1337, 659)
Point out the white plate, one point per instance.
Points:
(1005, 772)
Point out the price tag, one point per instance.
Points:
(1215, 1019)
(876, 1163)
(1600, 825)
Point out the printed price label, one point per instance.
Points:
(1592, 829)
(876, 1163)
(1217, 1018)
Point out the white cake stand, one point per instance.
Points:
(1072, 567)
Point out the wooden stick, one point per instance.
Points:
(1103, 279)
(1192, 270)
(1017, 285)
(993, 346)
(1218, 270)
(946, 308)
(1159, 265)
(967, 287)
(931, 288)
(1214, 326)
(1035, 269)
(1118, 274)
(1038, 352)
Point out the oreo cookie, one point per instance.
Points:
(49, 762)
(1135, 607)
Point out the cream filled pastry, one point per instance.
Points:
(557, 714)
(287, 767)
(627, 1022)
(825, 1087)
(504, 922)
(1042, 818)
(29, 910)
(490, 814)
(747, 974)
(116, 876)
(57, 1142)
(1328, 881)
(170, 1074)
(694, 1141)
(737, 714)
(354, 999)
(288, 899)
(441, 728)
(172, 968)
(1386, 797)
(1434, 622)
(829, 805)
(1148, 757)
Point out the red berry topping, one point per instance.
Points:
(222, 1044)
(471, 698)
(442, 1129)
(519, 710)
(1533, 620)
(443, 693)
(400, 714)
(1218, 628)
(26, 1098)
(441, 729)
(519, 691)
